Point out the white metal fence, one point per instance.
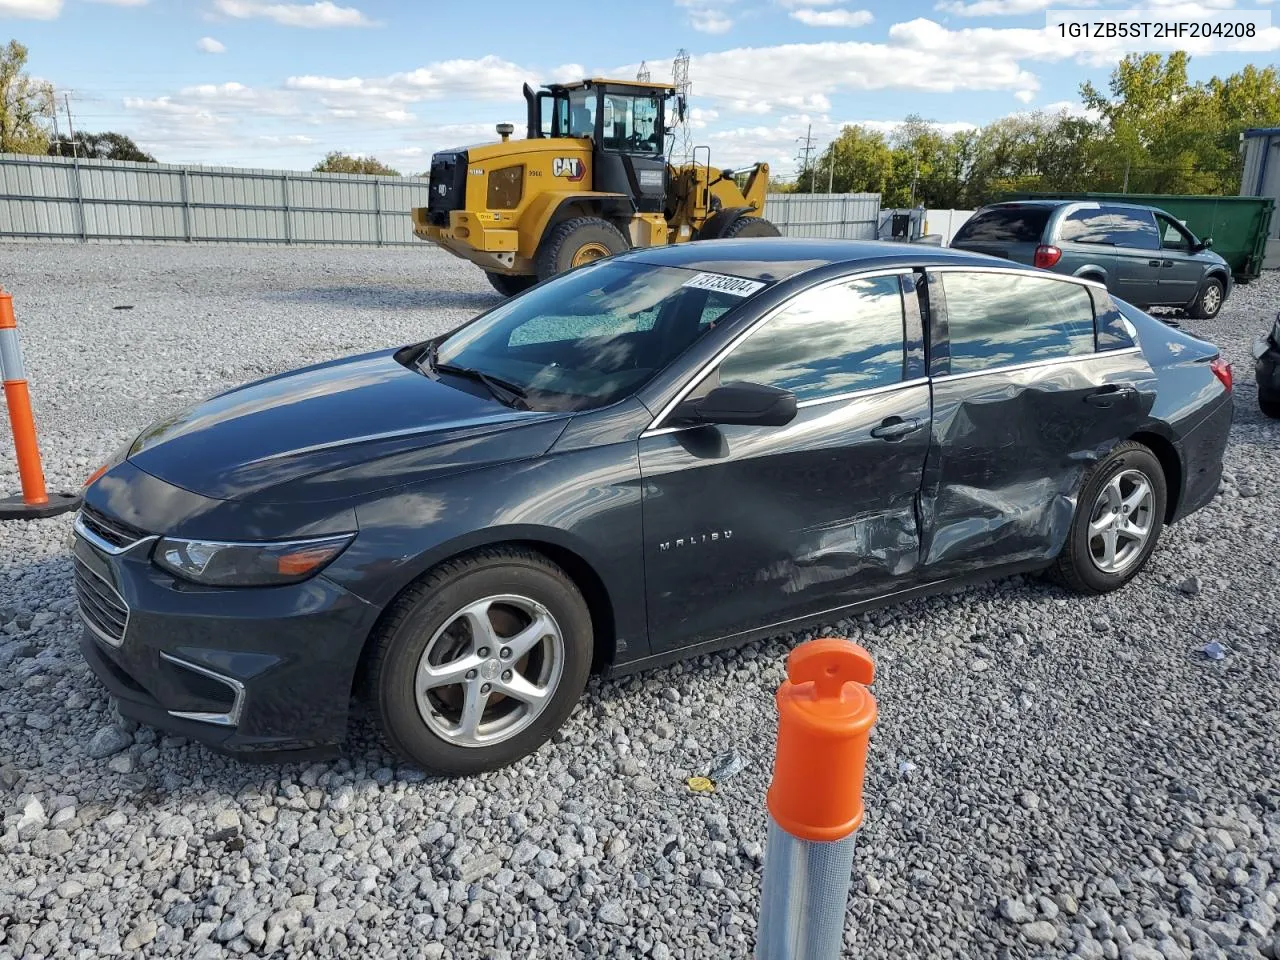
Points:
(845, 216)
(57, 198)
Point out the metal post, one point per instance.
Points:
(288, 214)
(377, 207)
(825, 716)
(186, 205)
(84, 229)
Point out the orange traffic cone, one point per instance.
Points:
(34, 501)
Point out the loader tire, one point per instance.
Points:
(575, 243)
(751, 227)
(509, 284)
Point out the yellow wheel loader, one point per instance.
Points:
(591, 180)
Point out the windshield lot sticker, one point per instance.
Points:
(734, 286)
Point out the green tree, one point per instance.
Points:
(857, 161)
(338, 162)
(24, 105)
(101, 146)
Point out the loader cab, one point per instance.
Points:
(626, 123)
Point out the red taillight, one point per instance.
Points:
(1222, 370)
(1046, 256)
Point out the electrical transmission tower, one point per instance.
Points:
(682, 142)
(803, 157)
(642, 74)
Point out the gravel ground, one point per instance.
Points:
(1050, 776)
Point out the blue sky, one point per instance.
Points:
(277, 84)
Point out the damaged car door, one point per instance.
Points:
(1026, 396)
(751, 526)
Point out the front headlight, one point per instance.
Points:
(248, 564)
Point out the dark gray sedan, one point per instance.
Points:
(656, 455)
(1141, 254)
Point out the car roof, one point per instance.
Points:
(1062, 202)
(777, 258)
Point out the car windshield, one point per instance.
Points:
(595, 335)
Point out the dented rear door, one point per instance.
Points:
(1024, 402)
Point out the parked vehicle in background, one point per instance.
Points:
(1142, 254)
(1266, 357)
(675, 449)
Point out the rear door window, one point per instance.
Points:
(1089, 225)
(1000, 320)
(1133, 228)
(1004, 225)
(826, 342)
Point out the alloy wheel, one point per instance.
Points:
(1121, 521)
(490, 670)
(1212, 299)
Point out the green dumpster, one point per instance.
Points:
(1239, 226)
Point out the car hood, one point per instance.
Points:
(337, 430)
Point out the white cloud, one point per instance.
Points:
(31, 9)
(210, 45)
(123, 3)
(807, 3)
(323, 13)
(998, 8)
(832, 18)
(1025, 96)
(708, 16)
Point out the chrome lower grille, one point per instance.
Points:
(101, 605)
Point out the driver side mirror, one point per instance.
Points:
(1206, 243)
(740, 404)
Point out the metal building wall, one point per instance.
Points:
(1261, 176)
(58, 198)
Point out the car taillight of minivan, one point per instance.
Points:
(1046, 256)
(1222, 370)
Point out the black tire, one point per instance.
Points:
(509, 284)
(1211, 290)
(1269, 408)
(1075, 567)
(567, 240)
(428, 606)
(751, 227)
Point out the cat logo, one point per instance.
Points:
(571, 168)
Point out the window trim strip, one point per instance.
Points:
(1034, 364)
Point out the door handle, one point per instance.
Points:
(1153, 263)
(895, 428)
(1106, 396)
(1168, 263)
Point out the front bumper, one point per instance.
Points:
(1266, 367)
(263, 672)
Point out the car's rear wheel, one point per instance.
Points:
(509, 284)
(481, 661)
(1209, 302)
(1270, 408)
(1117, 523)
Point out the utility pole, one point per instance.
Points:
(805, 153)
(75, 152)
(52, 99)
(831, 168)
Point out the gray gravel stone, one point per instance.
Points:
(1041, 932)
(107, 742)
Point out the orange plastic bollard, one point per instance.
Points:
(34, 501)
(825, 717)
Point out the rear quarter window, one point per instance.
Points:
(1004, 225)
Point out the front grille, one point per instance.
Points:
(114, 532)
(448, 186)
(101, 606)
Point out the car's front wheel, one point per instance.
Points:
(481, 661)
(1117, 521)
(1209, 302)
